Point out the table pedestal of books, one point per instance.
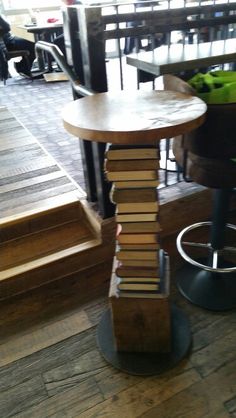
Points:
(141, 333)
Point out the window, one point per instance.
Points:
(29, 4)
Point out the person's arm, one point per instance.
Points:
(4, 26)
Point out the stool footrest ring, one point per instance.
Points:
(214, 268)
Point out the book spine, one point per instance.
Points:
(139, 265)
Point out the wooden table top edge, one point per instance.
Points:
(144, 135)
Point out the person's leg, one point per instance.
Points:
(17, 44)
(60, 42)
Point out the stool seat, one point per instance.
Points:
(216, 137)
(211, 172)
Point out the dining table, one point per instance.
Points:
(180, 57)
(44, 31)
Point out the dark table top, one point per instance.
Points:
(178, 57)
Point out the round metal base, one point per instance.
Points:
(212, 291)
(146, 363)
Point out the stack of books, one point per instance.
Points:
(134, 173)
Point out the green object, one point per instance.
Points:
(216, 87)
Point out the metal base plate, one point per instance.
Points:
(145, 363)
(212, 291)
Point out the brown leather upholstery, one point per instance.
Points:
(216, 138)
(210, 147)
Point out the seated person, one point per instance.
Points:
(14, 43)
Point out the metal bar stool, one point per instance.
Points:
(210, 282)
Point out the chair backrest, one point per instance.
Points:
(171, 82)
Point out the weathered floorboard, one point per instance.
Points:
(28, 174)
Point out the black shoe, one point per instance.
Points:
(24, 72)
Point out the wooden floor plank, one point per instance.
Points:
(9, 142)
(24, 164)
(18, 168)
(22, 396)
(136, 400)
(33, 341)
(11, 216)
(41, 361)
(27, 191)
(73, 403)
(29, 175)
(15, 203)
(72, 365)
(23, 184)
(213, 356)
(72, 373)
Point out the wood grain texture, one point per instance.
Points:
(141, 118)
(29, 176)
(37, 340)
(70, 378)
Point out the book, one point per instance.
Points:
(139, 247)
(129, 271)
(146, 207)
(137, 238)
(139, 152)
(129, 165)
(134, 195)
(132, 175)
(142, 295)
(140, 263)
(138, 274)
(132, 280)
(135, 184)
(140, 227)
(139, 290)
(136, 255)
(137, 287)
(136, 217)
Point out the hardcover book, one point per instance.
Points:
(120, 152)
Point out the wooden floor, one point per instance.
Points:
(51, 365)
(30, 179)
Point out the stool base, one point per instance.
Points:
(144, 364)
(212, 291)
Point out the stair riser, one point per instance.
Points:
(58, 269)
(41, 221)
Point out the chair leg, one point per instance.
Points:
(212, 290)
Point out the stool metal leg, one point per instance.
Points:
(211, 282)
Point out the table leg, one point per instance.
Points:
(140, 319)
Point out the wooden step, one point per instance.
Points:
(31, 181)
(53, 253)
(47, 229)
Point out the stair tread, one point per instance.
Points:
(42, 243)
(31, 181)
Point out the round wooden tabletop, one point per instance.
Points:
(137, 117)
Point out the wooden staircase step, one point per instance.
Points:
(39, 244)
(56, 212)
(47, 229)
(31, 181)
